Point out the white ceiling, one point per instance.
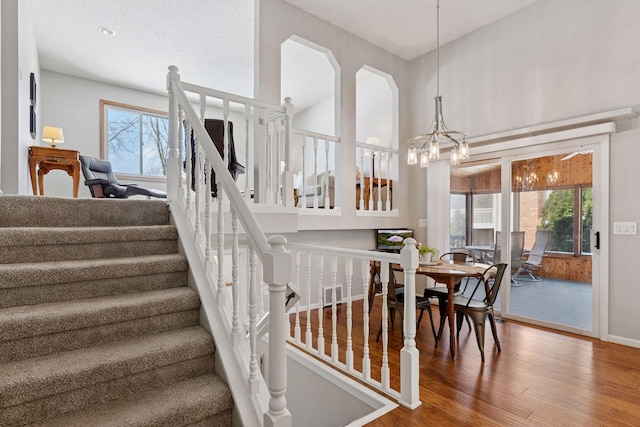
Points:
(408, 27)
(211, 41)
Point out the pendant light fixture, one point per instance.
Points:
(427, 146)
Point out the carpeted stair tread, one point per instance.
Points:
(43, 211)
(25, 245)
(46, 236)
(36, 378)
(180, 404)
(42, 319)
(50, 273)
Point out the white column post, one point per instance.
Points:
(287, 174)
(277, 273)
(409, 355)
(173, 162)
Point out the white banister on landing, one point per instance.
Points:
(339, 268)
(191, 196)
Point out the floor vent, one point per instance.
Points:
(328, 294)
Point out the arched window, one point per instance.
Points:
(376, 138)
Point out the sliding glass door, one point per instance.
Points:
(552, 202)
(538, 211)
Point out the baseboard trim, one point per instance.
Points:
(624, 341)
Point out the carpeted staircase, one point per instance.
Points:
(97, 324)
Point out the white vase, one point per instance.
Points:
(426, 257)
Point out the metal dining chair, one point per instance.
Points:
(481, 309)
(395, 302)
(442, 292)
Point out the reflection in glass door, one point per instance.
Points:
(552, 203)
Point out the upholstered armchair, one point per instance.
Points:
(322, 186)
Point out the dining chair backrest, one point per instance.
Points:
(517, 248)
(458, 257)
(494, 284)
(539, 247)
(482, 236)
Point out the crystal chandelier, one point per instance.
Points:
(427, 146)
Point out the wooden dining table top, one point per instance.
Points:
(452, 269)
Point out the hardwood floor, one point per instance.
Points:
(541, 377)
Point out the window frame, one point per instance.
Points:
(104, 106)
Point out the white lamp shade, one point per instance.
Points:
(373, 140)
(53, 135)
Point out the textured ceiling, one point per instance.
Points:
(408, 27)
(212, 41)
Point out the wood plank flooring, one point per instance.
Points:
(541, 377)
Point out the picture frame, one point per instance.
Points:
(32, 121)
(32, 88)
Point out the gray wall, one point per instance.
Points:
(554, 60)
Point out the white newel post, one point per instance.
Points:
(277, 273)
(409, 355)
(173, 162)
(287, 174)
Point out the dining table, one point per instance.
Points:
(450, 273)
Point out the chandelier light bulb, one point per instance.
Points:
(412, 156)
(455, 156)
(434, 150)
(424, 159)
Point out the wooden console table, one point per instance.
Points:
(46, 159)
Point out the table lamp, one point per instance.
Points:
(52, 135)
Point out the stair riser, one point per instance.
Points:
(25, 254)
(89, 289)
(27, 211)
(73, 400)
(71, 340)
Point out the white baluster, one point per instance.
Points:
(235, 283)
(221, 285)
(348, 270)
(296, 328)
(247, 118)
(315, 172)
(278, 189)
(254, 377)
(189, 160)
(302, 199)
(268, 166)
(181, 154)
(379, 187)
(366, 279)
(334, 313)
(320, 305)
(308, 339)
(198, 190)
(362, 179)
(207, 213)
(384, 370)
(389, 183)
(327, 199)
(372, 202)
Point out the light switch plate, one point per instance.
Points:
(422, 223)
(627, 228)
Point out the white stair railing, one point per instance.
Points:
(339, 269)
(316, 186)
(259, 402)
(375, 193)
